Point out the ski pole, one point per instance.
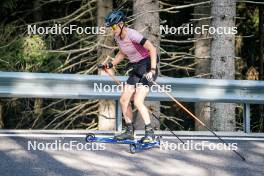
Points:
(196, 118)
(118, 82)
(167, 127)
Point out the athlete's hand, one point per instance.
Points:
(105, 66)
(101, 66)
(149, 76)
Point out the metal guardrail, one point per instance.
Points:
(75, 86)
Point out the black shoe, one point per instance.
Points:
(127, 134)
(149, 135)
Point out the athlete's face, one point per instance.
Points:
(117, 28)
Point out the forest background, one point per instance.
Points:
(182, 55)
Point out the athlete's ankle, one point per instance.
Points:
(148, 127)
(130, 126)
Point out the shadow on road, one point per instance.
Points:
(116, 160)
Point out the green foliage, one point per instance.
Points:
(6, 5)
(33, 49)
(26, 53)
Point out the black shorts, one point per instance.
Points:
(138, 70)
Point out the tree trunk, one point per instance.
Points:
(202, 54)
(148, 25)
(1, 114)
(261, 37)
(37, 102)
(107, 116)
(223, 61)
(261, 54)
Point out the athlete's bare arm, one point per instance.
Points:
(118, 58)
(153, 53)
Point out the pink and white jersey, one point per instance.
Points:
(131, 47)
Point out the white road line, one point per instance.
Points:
(164, 137)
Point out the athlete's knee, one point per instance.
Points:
(123, 100)
(138, 103)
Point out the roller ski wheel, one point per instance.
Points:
(133, 148)
(158, 139)
(89, 137)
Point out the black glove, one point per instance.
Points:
(106, 66)
(101, 66)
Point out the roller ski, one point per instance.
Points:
(127, 137)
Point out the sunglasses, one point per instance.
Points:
(114, 27)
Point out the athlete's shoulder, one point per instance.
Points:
(134, 35)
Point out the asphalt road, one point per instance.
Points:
(36, 155)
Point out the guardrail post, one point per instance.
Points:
(246, 118)
(118, 117)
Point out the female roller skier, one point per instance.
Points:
(142, 56)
